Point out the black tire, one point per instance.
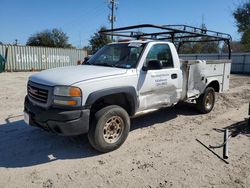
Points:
(205, 103)
(101, 132)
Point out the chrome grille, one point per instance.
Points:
(38, 94)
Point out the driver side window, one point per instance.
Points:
(162, 53)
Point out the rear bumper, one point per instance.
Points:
(60, 121)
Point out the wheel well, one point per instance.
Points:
(121, 99)
(215, 85)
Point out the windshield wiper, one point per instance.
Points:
(87, 63)
(103, 64)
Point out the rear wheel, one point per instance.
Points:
(205, 103)
(109, 128)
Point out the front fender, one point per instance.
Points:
(129, 91)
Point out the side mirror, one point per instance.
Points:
(153, 65)
(86, 59)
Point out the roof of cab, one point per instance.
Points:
(138, 41)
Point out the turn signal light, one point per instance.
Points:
(72, 103)
(74, 92)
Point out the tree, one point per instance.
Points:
(242, 17)
(236, 47)
(87, 49)
(50, 38)
(199, 47)
(186, 48)
(245, 40)
(206, 47)
(98, 40)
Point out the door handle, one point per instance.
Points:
(174, 76)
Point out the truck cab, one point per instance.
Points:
(159, 76)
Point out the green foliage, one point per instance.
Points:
(236, 46)
(206, 47)
(245, 40)
(50, 38)
(199, 47)
(87, 49)
(242, 17)
(98, 40)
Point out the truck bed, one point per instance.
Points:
(197, 74)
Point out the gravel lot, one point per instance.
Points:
(161, 150)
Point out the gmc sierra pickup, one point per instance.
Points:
(121, 80)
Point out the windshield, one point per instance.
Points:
(125, 55)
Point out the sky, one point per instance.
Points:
(79, 19)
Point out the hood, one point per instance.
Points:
(72, 74)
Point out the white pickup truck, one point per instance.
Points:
(119, 81)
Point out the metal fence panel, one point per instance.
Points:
(3, 50)
(26, 58)
(240, 61)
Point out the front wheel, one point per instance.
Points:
(205, 103)
(109, 128)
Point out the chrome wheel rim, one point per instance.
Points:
(113, 129)
(209, 101)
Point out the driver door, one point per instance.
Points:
(159, 87)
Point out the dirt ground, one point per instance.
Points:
(161, 149)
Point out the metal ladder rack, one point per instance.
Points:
(177, 34)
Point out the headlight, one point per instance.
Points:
(67, 91)
(67, 96)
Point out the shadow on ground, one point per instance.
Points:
(163, 115)
(23, 146)
(242, 127)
